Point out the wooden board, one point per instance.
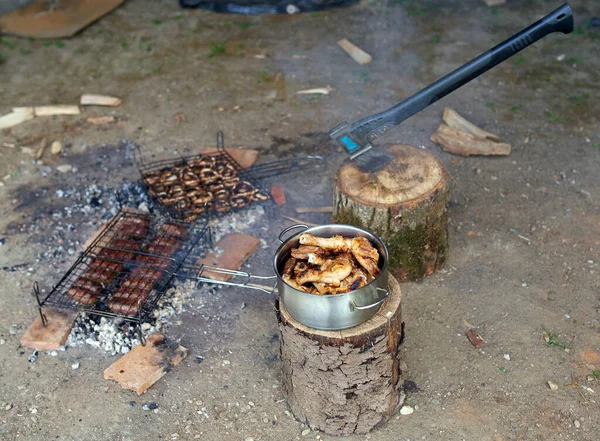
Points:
(63, 18)
(344, 382)
(59, 323)
(143, 366)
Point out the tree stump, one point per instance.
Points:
(344, 382)
(405, 204)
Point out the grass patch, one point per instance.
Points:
(24, 51)
(216, 49)
(6, 42)
(552, 117)
(596, 373)
(552, 339)
(436, 39)
(264, 76)
(59, 44)
(490, 105)
(156, 22)
(363, 76)
(124, 44)
(245, 24)
(516, 108)
(519, 59)
(579, 98)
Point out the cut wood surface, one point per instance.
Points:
(344, 382)
(360, 56)
(99, 100)
(454, 120)
(143, 366)
(56, 19)
(405, 204)
(466, 144)
(17, 116)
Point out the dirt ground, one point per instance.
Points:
(524, 229)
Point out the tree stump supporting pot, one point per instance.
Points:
(405, 204)
(344, 382)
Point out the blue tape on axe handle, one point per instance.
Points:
(350, 145)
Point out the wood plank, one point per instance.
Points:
(17, 116)
(465, 144)
(360, 56)
(59, 109)
(454, 120)
(143, 366)
(54, 335)
(229, 253)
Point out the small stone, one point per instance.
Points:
(149, 406)
(132, 403)
(33, 410)
(2, 341)
(56, 148)
(33, 357)
(13, 329)
(65, 168)
(225, 362)
(552, 385)
(305, 432)
(75, 366)
(8, 407)
(406, 410)
(144, 207)
(577, 424)
(507, 357)
(54, 353)
(561, 57)
(249, 438)
(146, 326)
(250, 403)
(524, 284)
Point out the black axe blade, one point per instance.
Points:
(357, 138)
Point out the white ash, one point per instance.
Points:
(243, 221)
(118, 336)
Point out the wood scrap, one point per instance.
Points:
(456, 121)
(17, 116)
(360, 56)
(99, 100)
(318, 90)
(59, 109)
(328, 209)
(101, 120)
(466, 144)
(8, 145)
(42, 149)
(474, 338)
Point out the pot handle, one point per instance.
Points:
(293, 227)
(354, 306)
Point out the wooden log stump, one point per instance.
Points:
(344, 382)
(405, 204)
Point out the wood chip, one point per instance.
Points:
(17, 116)
(56, 148)
(360, 56)
(465, 144)
(59, 109)
(456, 121)
(101, 120)
(99, 100)
(42, 149)
(301, 210)
(474, 338)
(319, 90)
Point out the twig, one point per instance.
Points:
(524, 238)
(328, 209)
(293, 219)
(42, 149)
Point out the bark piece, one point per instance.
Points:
(230, 253)
(405, 204)
(63, 18)
(17, 116)
(143, 366)
(474, 338)
(360, 56)
(54, 335)
(456, 121)
(465, 144)
(278, 195)
(344, 382)
(99, 100)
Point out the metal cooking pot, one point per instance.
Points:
(329, 312)
(334, 311)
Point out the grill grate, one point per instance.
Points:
(125, 271)
(190, 186)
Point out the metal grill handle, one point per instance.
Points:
(244, 284)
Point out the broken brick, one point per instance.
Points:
(51, 337)
(278, 195)
(230, 253)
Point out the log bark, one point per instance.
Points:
(344, 382)
(405, 204)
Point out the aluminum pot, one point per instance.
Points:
(335, 311)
